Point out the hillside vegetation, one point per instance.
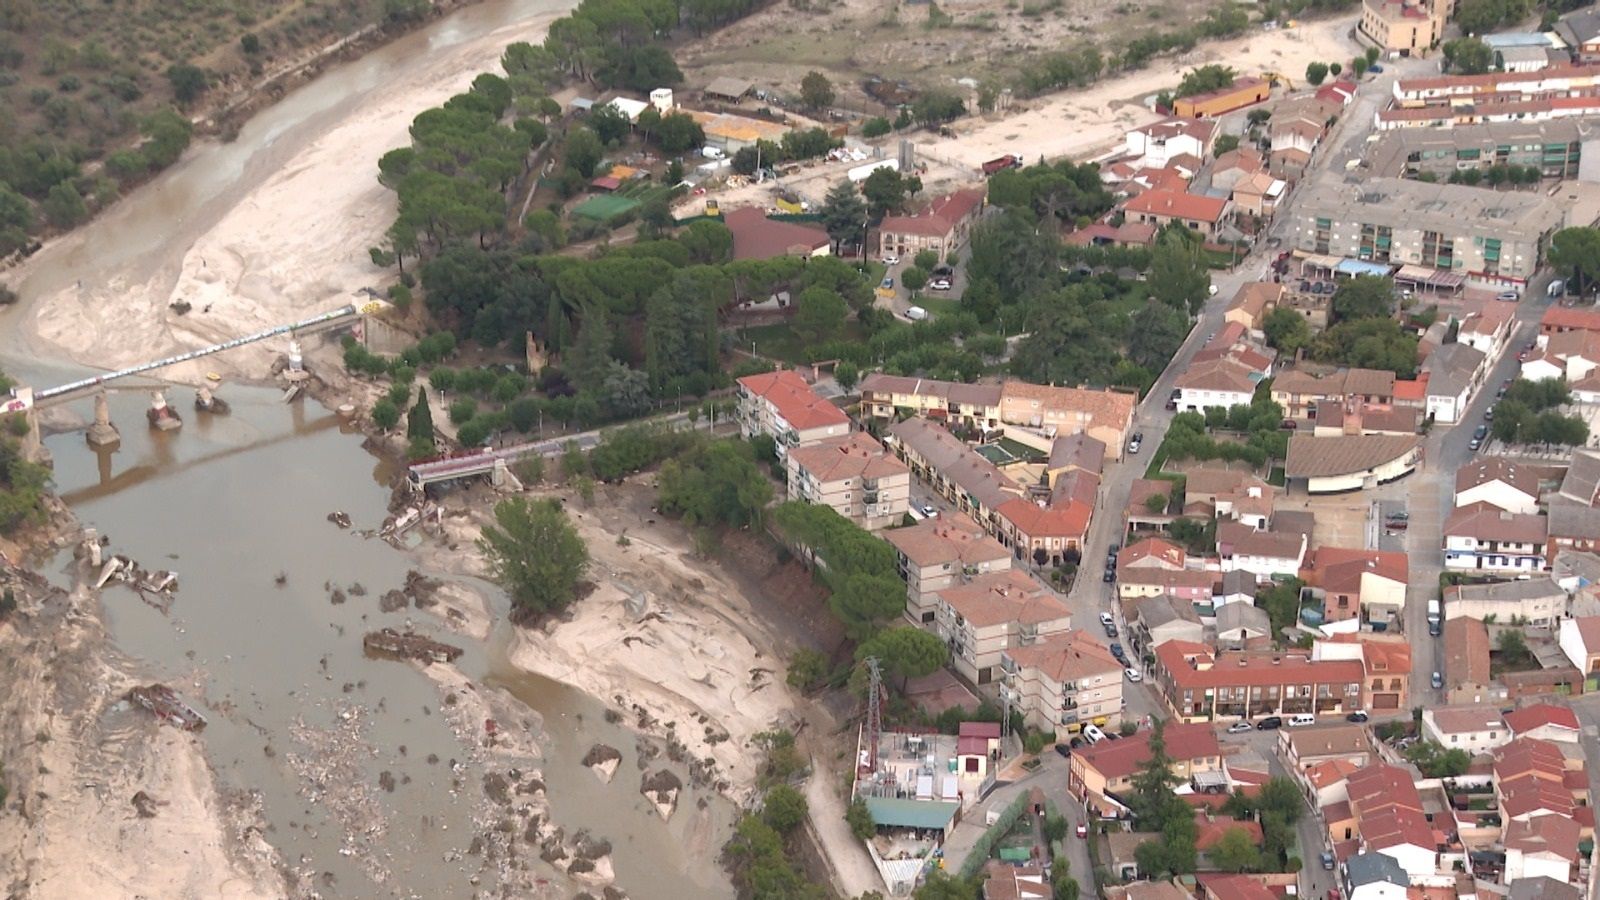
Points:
(95, 95)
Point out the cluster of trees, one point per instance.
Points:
(1063, 191)
(1494, 176)
(1576, 253)
(1484, 16)
(1364, 332)
(1468, 55)
(714, 483)
(1434, 761)
(1225, 21)
(1277, 807)
(1188, 437)
(1281, 600)
(761, 854)
(1318, 72)
(535, 553)
(795, 145)
(1529, 414)
(1157, 808)
(859, 568)
(1204, 79)
(1078, 332)
(22, 483)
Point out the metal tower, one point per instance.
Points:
(874, 724)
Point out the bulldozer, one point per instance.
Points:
(1277, 78)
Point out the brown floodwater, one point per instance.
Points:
(232, 502)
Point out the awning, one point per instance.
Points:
(1322, 261)
(1423, 276)
(1210, 779)
(1355, 267)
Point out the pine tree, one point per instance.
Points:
(419, 423)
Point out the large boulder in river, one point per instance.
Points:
(662, 789)
(603, 760)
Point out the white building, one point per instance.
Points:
(1219, 382)
(1545, 846)
(1153, 146)
(1536, 601)
(1481, 538)
(1263, 553)
(1500, 483)
(1473, 728)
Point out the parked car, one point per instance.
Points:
(1375, 68)
(1270, 723)
(1105, 619)
(1508, 296)
(1114, 547)
(1289, 425)
(1358, 716)
(1119, 653)
(928, 509)
(1327, 861)
(1397, 524)
(1064, 750)
(1110, 576)
(1240, 727)
(1488, 414)
(1438, 681)
(1093, 734)
(1401, 516)
(1474, 444)
(939, 284)
(1435, 629)
(890, 259)
(1481, 432)
(1082, 831)
(1133, 674)
(1111, 631)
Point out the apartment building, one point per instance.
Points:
(938, 553)
(782, 406)
(1302, 393)
(1064, 682)
(1493, 236)
(942, 226)
(992, 613)
(1201, 684)
(1105, 415)
(854, 476)
(1554, 147)
(962, 405)
(1404, 27)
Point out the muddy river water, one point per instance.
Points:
(232, 502)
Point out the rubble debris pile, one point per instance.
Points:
(168, 706)
(410, 645)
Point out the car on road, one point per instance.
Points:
(887, 284)
(1119, 653)
(1438, 681)
(1093, 734)
(939, 284)
(1109, 577)
(1135, 443)
(1481, 432)
(928, 509)
(1111, 629)
(1488, 414)
(1083, 831)
(1327, 861)
(1435, 629)
(1240, 727)
(1270, 723)
(1375, 68)
(1105, 619)
(1396, 525)
(890, 259)
(1401, 516)
(1114, 547)
(1133, 674)
(1358, 716)
(1064, 750)
(1474, 444)
(1508, 296)
(1288, 425)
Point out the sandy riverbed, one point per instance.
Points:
(76, 757)
(293, 246)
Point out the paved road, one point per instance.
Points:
(1432, 496)
(1051, 778)
(1587, 706)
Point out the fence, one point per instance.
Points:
(979, 855)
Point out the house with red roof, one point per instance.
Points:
(1389, 819)
(990, 614)
(1533, 778)
(1108, 767)
(942, 226)
(1560, 319)
(1046, 534)
(1356, 582)
(1162, 207)
(783, 406)
(1543, 847)
(977, 746)
(1545, 722)
(755, 236)
(1201, 684)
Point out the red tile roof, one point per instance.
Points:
(1570, 317)
(794, 399)
(940, 217)
(1545, 834)
(1178, 205)
(1251, 668)
(1339, 569)
(757, 237)
(1184, 742)
(1526, 719)
(1153, 553)
(1058, 520)
(1212, 829)
(1388, 809)
(1487, 522)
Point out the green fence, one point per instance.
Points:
(979, 856)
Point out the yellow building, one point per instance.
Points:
(1406, 27)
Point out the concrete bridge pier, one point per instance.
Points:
(32, 441)
(102, 433)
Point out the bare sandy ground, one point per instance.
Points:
(1084, 123)
(294, 246)
(75, 758)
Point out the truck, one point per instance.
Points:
(860, 173)
(1434, 617)
(1555, 288)
(1000, 164)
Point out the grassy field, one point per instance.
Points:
(781, 343)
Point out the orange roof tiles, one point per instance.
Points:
(794, 399)
(1069, 519)
(1178, 205)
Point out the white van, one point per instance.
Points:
(1302, 719)
(1093, 734)
(917, 314)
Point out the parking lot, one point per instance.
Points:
(1342, 520)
